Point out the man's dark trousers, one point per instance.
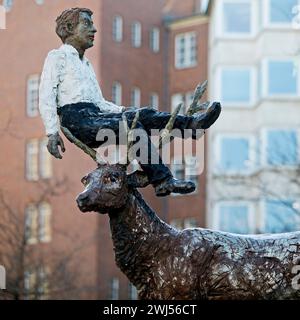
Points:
(84, 120)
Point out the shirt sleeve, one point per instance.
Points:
(48, 90)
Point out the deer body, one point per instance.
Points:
(164, 263)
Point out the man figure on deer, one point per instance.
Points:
(70, 95)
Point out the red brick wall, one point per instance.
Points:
(24, 45)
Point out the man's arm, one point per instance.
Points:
(47, 100)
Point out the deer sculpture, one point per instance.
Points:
(166, 263)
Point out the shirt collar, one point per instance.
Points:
(72, 50)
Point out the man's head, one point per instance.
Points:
(75, 26)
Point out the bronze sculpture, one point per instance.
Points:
(162, 262)
(69, 89)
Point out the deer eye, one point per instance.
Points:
(114, 177)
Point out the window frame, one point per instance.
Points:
(135, 97)
(132, 292)
(265, 80)
(31, 224)
(7, 4)
(252, 154)
(267, 23)
(188, 62)
(115, 288)
(117, 87)
(251, 214)
(136, 34)
(117, 28)
(30, 175)
(252, 90)
(235, 35)
(154, 100)
(44, 229)
(183, 166)
(154, 39)
(264, 147)
(263, 209)
(32, 110)
(45, 160)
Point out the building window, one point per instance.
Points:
(136, 97)
(38, 223)
(36, 285)
(114, 289)
(38, 160)
(33, 95)
(30, 285)
(32, 151)
(237, 18)
(178, 168)
(280, 13)
(133, 294)
(39, 2)
(280, 216)
(136, 34)
(154, 39)
(7, 4)
(281, 147)
(117, 93)
(235, 154)
(154, 101)
(235, 217)
(186, 169)
(236, 86)
(44, 222)
(191, 169)
(117, 28)
(185, 98)
(185, 50)
(31, 224)
(281, 78)
(45, 160)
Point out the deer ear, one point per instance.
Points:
(137, 179)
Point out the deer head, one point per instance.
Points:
(106, 188)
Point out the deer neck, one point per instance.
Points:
(136, 231)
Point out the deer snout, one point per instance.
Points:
(83, 201)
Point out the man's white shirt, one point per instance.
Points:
(66, 79)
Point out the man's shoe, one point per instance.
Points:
(206, 119)
(171, 184)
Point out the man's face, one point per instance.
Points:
(84, 33)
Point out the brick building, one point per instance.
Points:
(171, 37)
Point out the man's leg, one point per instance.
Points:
(85, 123)
(153, 119)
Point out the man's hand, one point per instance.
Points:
(54, 141)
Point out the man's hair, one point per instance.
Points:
(69, 17)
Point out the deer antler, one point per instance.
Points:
(91, 152)
(129, 133)
(199, 91)
(163, 139)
